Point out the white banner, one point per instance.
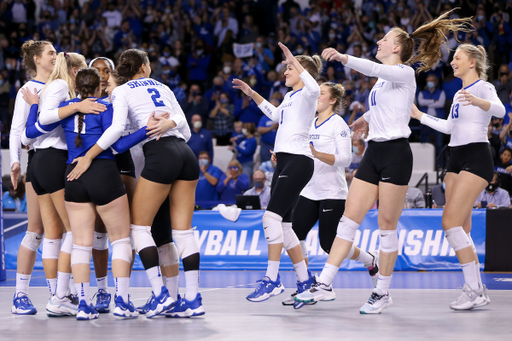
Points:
(243, 50)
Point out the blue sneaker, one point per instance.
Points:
(86, 312)
(143, 309)
(185, 308)
(22, 305)
(266, 289)
(103, 299)
(303, 286)
(158, 304)
(125, 310)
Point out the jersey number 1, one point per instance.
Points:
(155, 97)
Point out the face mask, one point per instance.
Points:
(195, 93)
(198, 124)
(244, 131)
(348, 92)
(226, 70)
(492, 187)
(300, 51)
(332, 35)
(166, 72)
(377, 9)
(71, 21)
(400, 8)
(258, 184)
(430, 85)
(253, 81)
(258, 45)
(355, 149)
(167, 10)
(166, 54)
(334, 25)
(217, 87)
(223, 101)
(8, 66)
(444, 186)
(365, 48)
(355, 77)
(496, 125)
(203, 162)
(199, 52)
(480, 17)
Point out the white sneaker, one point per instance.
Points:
(469, 299)
(317, 292)
(61, 307)
(376, 303)
(290, 299)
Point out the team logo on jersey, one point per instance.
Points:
(344, 133)
(314, 136)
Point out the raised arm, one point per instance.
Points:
(444, 126)
(268, 109)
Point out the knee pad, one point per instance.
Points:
(185, 242)
(272, 228)
(51, 248)
(304, 249)
(290, 239)
(100, 241)
(388, 240)
(347, 229)
(141, 236)
(472, 242)
(122, 249)
(32, 241)
(67, 244)
(168, 255)
(457, 238)
(80, 254)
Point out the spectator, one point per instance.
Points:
(201, 138)
(414, 198)
(15, 199)
(237, 136)
(504, 169)
(246, 110)
(198, 62)
(245, 150)
(438, 194)
(263, 54)
(225, 23)
(195, 104)
(432, 100)
(505, 135)
(208, 178)
(113, 16)
(5, 89)
(267, 130)
(222, 117)
(233, 183)
(213, 94)
(269, 168)
(503, 84)
(358, 147)
(259, 180)
(493, 196)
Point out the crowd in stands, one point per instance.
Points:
(190, 47)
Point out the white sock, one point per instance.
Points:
(478, 273)
(470, 274)
(72, 288)
(83, 292)
(155, 278)
(52, 285)
(191, 284)
(328, 274)
(301, 271)
(62, 284)
(383, 284)
(272, 270)
(365, 258)
(22, 282)
(122, 285)
(102, 283)
(172, 285)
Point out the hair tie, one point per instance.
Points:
(65, 54)
(410, 36)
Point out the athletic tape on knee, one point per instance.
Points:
(141, 236)
(80, 254)
(290, 239)
(272, 228)
(347, 229)
(32, 241)
(457, 238)
(185, 242)
(51, 248)
(100, 241)
(388, 241)
(168, 255)
(67, 244)
(122, 249)
(472, 242)
(304, 249)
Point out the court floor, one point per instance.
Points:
(420, 312)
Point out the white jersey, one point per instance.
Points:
(294, 115)
(55, 93)
(390, 101)
(468, 123)
(137, 99)
(328, 182)
(19, 120)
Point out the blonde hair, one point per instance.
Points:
(432, 36)
(63, 66)
(235, 162)
(337, 91)
(478, 54)
(313, 64)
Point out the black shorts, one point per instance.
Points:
(48, 170)
(100, 184)
(169, 159)
(29, 162)
(292, 174)
(125, 164)
(388, 161)
(161, 228)
(475, 158)
(327, 212)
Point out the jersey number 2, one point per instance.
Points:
(155, 97)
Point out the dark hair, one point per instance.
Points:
(87, 80)
(32, 48)
(507, 149)
(130, 63)
(204, 152)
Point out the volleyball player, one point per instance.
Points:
(170, 170)
(386, 168)
(323, 198)
(38, 58)
(470, 168)
(294, 167)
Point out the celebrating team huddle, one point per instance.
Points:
(80, 123)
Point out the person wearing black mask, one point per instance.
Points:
(259, 180)
(493, 196)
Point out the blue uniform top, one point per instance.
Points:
(92, 129)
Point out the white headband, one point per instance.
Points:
(109, 61)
